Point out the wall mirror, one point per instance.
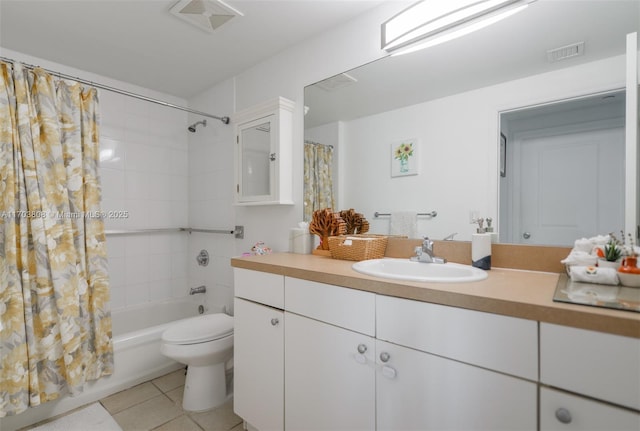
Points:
(255, 158)
(451, 102)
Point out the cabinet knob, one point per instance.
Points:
(275, 321)
(563, 415)
(272, 157)
(362, 348)
(384, 356)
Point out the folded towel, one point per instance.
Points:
(587, 244)
(592, 274)
(404, 223)
(580, 258)
(583, 253)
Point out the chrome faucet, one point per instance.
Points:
(425, 253)
(199, 289)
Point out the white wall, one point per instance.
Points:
(286, 74)
(458, 148)
(147, 176)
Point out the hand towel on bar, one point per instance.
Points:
(592, 274)
(404, 223)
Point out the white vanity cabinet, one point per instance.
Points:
(259, 349)
(428, 374)
(263, 155)
(330, 357)
(362, 361)
(602, 367)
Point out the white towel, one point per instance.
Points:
(592, 274)
(580, 258)
(404, 223)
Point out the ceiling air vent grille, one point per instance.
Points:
(207, 15)
(336, 82)
(565, 52)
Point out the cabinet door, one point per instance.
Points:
(563, 411)
(420, 391)
(329, 385)
(259, 365)
(256, 141)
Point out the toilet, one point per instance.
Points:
(205, 345)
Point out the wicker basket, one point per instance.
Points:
(357, 247)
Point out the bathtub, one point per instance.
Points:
(137, 358)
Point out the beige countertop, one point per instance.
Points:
(510, 292)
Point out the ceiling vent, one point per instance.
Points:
(207, 15)
(565, 52)
(336, 82)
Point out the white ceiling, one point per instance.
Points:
(511, 49)
(140, 42)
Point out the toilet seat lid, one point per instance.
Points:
(200, 329)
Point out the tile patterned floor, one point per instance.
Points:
(157, 405)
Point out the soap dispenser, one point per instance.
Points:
(492, 234)
(481, 247)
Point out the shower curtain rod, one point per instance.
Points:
(225, 120)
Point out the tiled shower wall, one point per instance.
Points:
(211, 192)
(144, 172)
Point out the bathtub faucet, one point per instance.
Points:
(199, 289)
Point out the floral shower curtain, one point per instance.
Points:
(318, 178)
(55, 323)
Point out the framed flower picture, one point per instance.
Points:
(404, 158)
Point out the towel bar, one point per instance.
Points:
(429, 214)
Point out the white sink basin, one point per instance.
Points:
(405, 269)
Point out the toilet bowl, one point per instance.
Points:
(204, 344)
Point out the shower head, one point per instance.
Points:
(192, 128)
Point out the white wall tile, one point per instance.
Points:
(160, 290)
(179, 287)
(117, 272)
(179, 188)
(137, 294)
(137, 270)
(115, 246)
(136, 245)
(112, 182)
(179, 265)
(112, 153)
(159, 267)
(179, 162)
(118, 297)
(137, 157)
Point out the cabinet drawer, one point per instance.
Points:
(261, 287)
(582, 414)
(501, 343)
(340, 306)
(599, 365)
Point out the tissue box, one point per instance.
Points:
(358, 247)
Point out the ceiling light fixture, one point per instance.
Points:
(435, 21)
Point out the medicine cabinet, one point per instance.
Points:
(263, 160)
